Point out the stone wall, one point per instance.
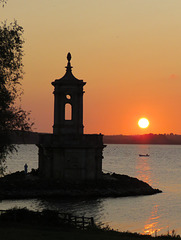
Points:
(71, 157)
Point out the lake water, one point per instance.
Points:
(144, 214)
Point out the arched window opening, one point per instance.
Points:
(68, 111)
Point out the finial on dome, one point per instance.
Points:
(69, 67)
(69, 56)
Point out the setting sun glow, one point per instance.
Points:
(143, 123)
(137, 45)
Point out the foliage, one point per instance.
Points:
(3, 2)
(12, 117)
(26, 216)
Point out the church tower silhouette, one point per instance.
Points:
(68, 154)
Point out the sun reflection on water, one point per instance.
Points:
(152, 224)
(143, 170)
(144, 173)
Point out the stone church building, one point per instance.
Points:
(68, 154)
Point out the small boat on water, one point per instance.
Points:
(144, 155)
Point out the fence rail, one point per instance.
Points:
(79, 222)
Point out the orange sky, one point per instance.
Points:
(128, 52)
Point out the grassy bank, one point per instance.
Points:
(29, 232)
(23, 224)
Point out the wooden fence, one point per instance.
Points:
(78, 222)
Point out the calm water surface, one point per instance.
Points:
(144, 214)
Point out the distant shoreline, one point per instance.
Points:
(19, 137)
(170, 139)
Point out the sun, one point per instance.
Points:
(143, 123)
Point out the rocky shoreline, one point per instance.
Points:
(21, 186)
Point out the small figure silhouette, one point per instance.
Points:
(26, 168)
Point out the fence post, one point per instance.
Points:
(69, 218)
(75, 221)
(92, 221)
(83, 222)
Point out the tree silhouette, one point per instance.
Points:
(12, 116)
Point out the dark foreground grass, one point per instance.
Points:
(29, 232)
(23, 224)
